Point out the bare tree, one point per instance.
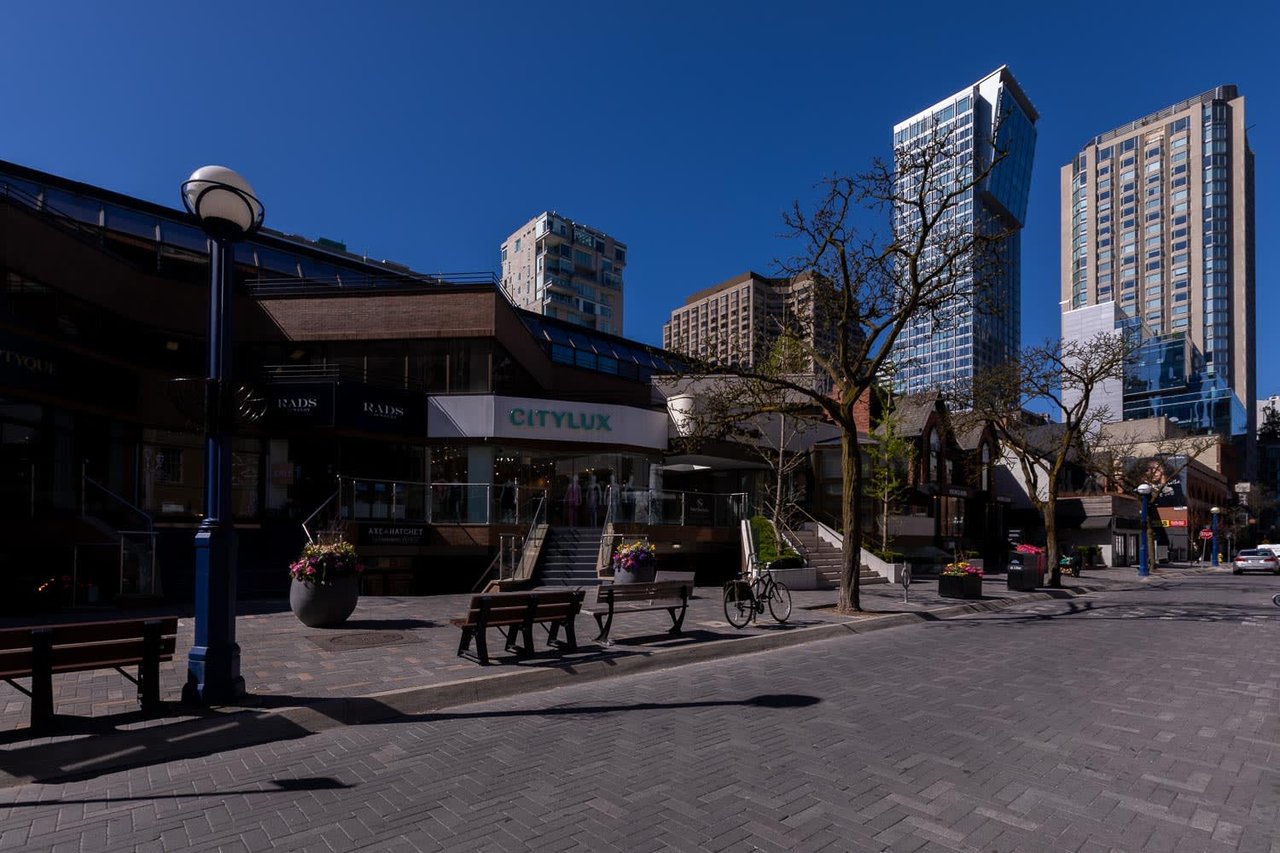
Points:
(868, 286)
(1126, 457)
(1067, 377)
(890, 457)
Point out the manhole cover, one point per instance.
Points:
(356, 640)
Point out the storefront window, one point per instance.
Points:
(173, 475)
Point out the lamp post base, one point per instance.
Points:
(213, 664)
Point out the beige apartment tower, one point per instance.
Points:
(1157, 217)
(554, 266)
(735, 322)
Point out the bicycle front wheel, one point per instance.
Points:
(739, 606)
(1275, 599)
(780, 602)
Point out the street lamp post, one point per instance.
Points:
(227, 209)
(1143, 570)
(1213, 515)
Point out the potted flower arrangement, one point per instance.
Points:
(634, 562)
(960, 579)
(1026, 568)
(325, 583)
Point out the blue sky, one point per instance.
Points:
(426, 132)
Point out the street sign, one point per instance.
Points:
(1206, 534)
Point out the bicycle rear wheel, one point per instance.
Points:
(780, 602)
(739, 605)
(1275, 599)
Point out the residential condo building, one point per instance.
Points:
(737, 321)
(1157, 217)
(560, 268)
(993, 115)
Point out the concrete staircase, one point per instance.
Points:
(828, 559)
(568, 557)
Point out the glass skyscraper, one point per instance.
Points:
(1157, 217)
(993, 117)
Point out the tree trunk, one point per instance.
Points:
(851, 471)
(1050, 514)
(884, 527)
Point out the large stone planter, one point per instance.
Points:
(805, 577)
(959, 586)
(324, 605)
(1022, 579)
(644, 574)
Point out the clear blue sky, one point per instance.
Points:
(425, 132)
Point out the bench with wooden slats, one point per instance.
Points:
(611, 599)
(515, 614)
(38, 651)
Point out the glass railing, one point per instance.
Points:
(436, 503)
(685, 509)
(495, 503)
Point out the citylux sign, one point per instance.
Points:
(570, 422)
(559, 419)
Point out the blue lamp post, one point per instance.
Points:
(1213, 516)
(228, 211)
(1143, 570)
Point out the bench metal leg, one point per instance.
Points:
(149, 669)
(41, 680)
(482, 648)
(604, 623)
(677, 621)
(466, 641)
(570, 635)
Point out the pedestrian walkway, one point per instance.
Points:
(399, 656)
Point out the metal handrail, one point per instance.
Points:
(336, 495)
(139, 511)
(532, 546)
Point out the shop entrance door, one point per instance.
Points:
(18, 471)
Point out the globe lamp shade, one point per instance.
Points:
(223, 202)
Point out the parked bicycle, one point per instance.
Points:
(744, 598)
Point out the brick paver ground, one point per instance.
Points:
(397, 643)
(1142, 718)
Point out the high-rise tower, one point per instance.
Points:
(1157, 216)
(993, 117)
(561, 268)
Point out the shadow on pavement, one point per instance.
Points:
(87, 758)
(275, 786)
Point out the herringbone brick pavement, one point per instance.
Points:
(1136, 720)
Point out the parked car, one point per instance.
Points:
(1255, 560)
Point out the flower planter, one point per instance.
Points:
(1022, 579)
(641, 574)
(324, 605)
(802, 578)
(960, 586)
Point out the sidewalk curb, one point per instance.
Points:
(233, 728)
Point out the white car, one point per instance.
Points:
(1255, 560)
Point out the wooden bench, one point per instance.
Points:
(611, 599)
(37, 652)
(515, 613)
(686, 577)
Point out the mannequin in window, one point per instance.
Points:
(507, 501)
(611, 496)
(593, 501)
(572, 501)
